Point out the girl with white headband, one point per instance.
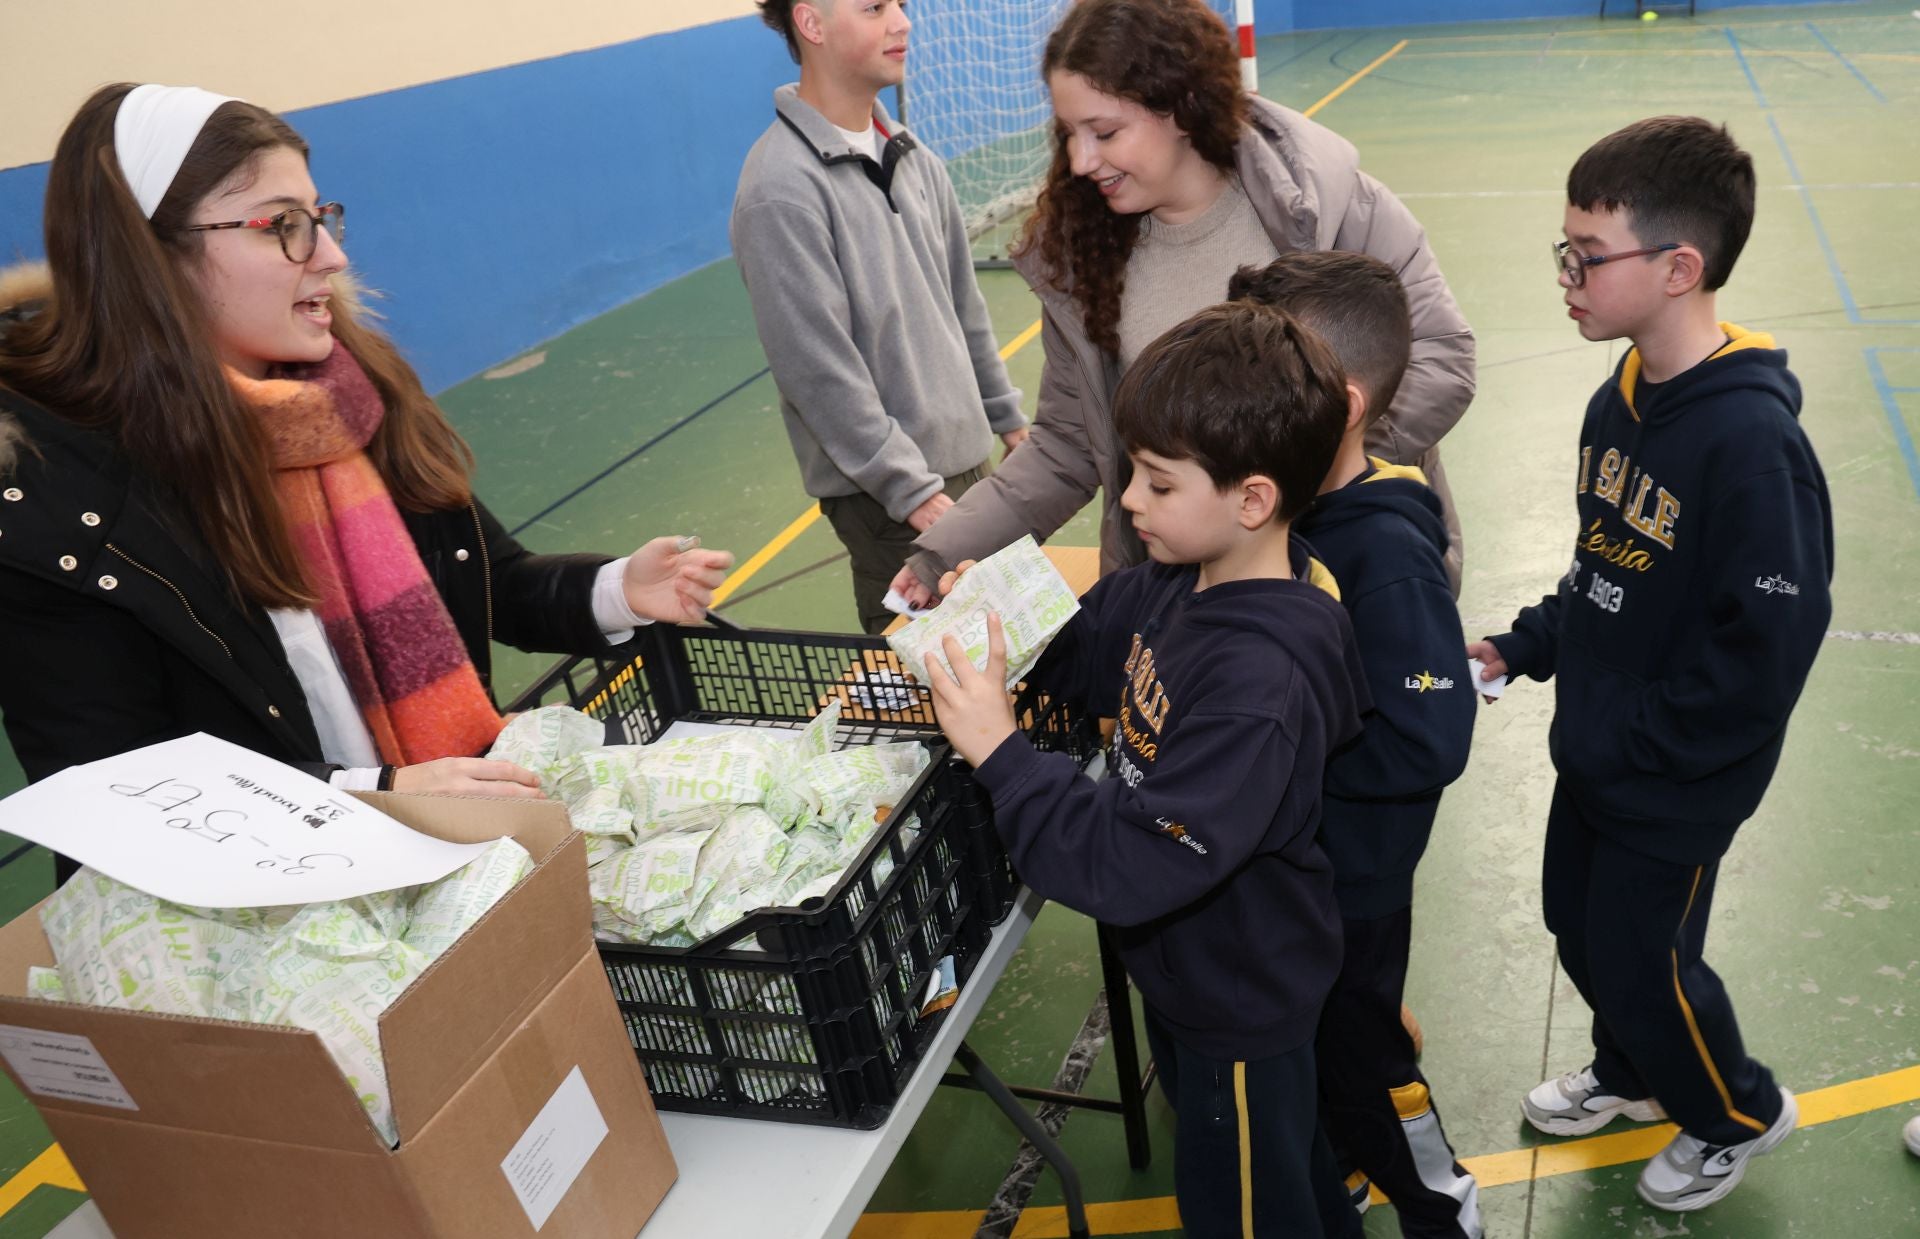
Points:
(227, 504)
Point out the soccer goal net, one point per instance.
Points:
(974, 95)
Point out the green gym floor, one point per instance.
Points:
(659, 417)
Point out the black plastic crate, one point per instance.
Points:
(806, 1014)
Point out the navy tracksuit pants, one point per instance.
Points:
(1631, 929)
(1249, 1158)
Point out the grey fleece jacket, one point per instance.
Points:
(1306, 184)
(863, 293)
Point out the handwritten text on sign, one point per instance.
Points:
(203, 822)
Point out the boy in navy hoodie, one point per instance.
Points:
(1381, 532)
(1232, 677)
(1679, 640)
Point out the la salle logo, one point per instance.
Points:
(1178, 833)
(1427, 682)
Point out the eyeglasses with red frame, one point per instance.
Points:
(1574, 264)
(297, 227)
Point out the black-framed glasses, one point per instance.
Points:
(1574, 264)
(297, 227)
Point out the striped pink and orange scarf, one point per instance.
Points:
(404, 660)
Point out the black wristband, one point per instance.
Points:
(386, 778)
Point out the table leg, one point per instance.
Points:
(1036, 1135)
(1126, 1051)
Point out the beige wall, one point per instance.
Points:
(53, 53)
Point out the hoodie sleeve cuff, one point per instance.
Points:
(1519, 652)
(904, 502)
(1007, 766)
(1004, 414)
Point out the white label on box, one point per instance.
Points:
(62, 1065)
(554, 1149)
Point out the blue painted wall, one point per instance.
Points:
(499, 209)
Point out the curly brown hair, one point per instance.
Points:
(1172, 57)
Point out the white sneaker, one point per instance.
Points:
(1575, 1104)
(1913, 1135)
(1691, 1174)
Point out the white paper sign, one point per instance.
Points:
(555, 1148)
(62, 1065)
(209, 824)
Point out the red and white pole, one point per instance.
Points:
(1249, 67)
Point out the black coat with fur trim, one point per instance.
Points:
(117, 628)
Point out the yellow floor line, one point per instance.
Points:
(1021, 341)
(764, 556)
(50, 1169)
(1135, 1217)
(1347, 85)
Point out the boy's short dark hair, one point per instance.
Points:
(778, 14)
(1239, 389)
(1678, 179)
(1354, 302)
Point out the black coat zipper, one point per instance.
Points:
(177, 594)
(486, 565)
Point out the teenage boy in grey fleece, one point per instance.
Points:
(849, 236)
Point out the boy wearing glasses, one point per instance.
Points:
(1679, 640)
(850, 239)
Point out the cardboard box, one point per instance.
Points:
(502, 1052)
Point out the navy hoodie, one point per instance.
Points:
(1199, 845)
(1383, 537)
(1683, 632)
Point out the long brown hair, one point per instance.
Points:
(124, 345)
(1173, 57)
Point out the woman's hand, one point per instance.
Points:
(972, 706)
(468, 776)
(908, 585)
(671, 579)
(1013, 439)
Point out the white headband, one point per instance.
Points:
(152, 133)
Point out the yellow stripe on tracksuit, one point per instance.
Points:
(1700, 1042)
(1410, 1101)
(1246, 1150)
